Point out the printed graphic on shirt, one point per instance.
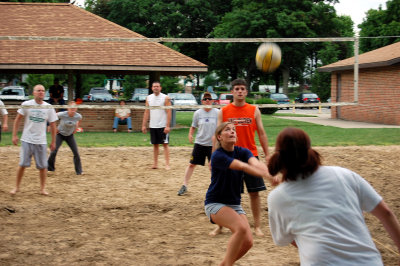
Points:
(241, 121)
(37, 116)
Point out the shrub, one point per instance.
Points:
(267, 110)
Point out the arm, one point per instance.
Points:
(5, 122)
(389, 222)
(191, 132)
(145, 118)
(219, 121)
(15, 128)
(168, 111)
(262, 135)
(254, 167)
(53, 130)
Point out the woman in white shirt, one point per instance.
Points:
(319, 209)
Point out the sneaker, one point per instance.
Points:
(182, 191)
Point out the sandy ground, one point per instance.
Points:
(122, 213)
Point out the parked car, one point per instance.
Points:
(224, 98)
(102, 97)
(307, 97)
(182, 99)
(213, 96)
(140, 95)
(139, 98)
(98, 90)
(13, 93)
(280, 98)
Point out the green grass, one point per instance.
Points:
(320, 135)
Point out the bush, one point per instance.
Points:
(267, 110)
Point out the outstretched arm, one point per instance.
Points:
(389, 221)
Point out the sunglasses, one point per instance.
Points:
(207, 99)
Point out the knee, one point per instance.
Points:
(246, 236)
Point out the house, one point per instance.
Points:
(378, 86)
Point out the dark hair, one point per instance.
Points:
(238, 82)
(293, 155)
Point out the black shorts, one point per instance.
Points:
(253, 183)
(200, 153)
(157, 136)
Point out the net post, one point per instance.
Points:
(356, 46)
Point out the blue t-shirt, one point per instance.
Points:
(226, 184)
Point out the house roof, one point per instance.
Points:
(64, 20)
(385, 56)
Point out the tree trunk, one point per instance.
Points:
(285, 80)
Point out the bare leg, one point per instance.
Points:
(241, 239)
(188, 173)
(216, 231)
(43, 175)
(255, 202)
(155, 156)
(20, 174)
(166, 155)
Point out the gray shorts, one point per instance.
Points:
(213, 208)
(39, 152)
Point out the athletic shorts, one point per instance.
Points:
(213, 208)
(200, 153)
(39, 152)
(253, 183)
(157, 136)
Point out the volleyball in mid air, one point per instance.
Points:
(268, 57)
(79, 129)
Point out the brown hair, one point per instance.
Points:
(219, 130)
(238, 82)
(293, 155)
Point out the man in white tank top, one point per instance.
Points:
(159, 123)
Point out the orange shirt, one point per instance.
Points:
(245, 123)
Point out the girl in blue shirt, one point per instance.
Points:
(222, 204)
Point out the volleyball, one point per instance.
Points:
(268, 57)
(79, 129)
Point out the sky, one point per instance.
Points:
(356, 9)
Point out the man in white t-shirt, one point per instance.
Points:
(160, 120)
(33, 139)
(4, 125)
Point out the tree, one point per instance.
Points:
(268, 19)
(379, 23)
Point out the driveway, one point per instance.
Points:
(323, 117)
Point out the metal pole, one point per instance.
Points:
(356, 45)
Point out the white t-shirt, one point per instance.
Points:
(206, 123)
(3, 111)
(158, 117)
(36, 122)
(122, 112)
(324, 215)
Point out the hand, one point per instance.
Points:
(191, 139)
(52, 146)
(15, 140)
(144, 129)
(167, 130)
(5, 127)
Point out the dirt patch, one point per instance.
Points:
(123, 213)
